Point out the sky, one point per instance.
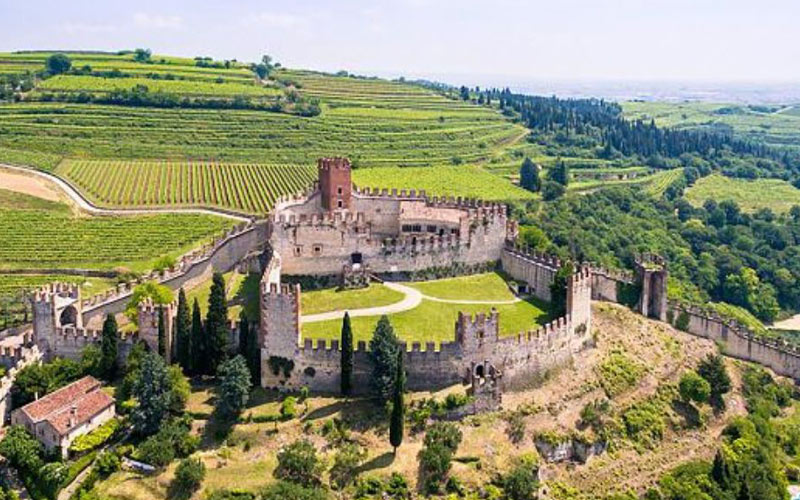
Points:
(489, 41)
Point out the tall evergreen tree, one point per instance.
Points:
(347, 356)
(217, 330)
(197, 351)
(559, 173)
(152, 392)
(383, 352)
(253, 355)
(182, 331)
(529, 176)
(162, 334)
(108, 347)
(244, 335)
(398, 404)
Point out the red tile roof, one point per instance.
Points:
(83, 395)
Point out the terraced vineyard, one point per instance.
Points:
(246, 188)
(39, 235)
(179, 87)
(374, 122)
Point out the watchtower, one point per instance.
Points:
(55, 306)
(335, 183)
(652, 275)
(148, 315)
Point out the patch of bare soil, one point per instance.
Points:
(29, 184)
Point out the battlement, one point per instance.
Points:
(319, 219)
(278, 289)
(582, 276)
(533, 256)
(613, 274)
(47, 292)
(333, 163)
(651, 261)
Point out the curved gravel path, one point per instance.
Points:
(413, 298)
(84, 204)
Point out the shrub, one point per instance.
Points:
(230, 495)
(188, 476)
(434, 462)
(693, 387)
(298, 463)
(156, 451)
(97, 437)
(107, 463)
(522, 482)
(515, 427)
(283, 490)
(289, 408)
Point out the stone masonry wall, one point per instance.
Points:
(538, 271)
(476, 339)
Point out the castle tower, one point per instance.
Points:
(54, 306)
(334, 183)
(651, 276)
(148, 325)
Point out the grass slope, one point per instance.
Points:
(751, 195)
(485, 286)
(318, 301)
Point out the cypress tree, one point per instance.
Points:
(244, 335)
(216, 325)
(162, 334)
(383, 352)
(197, 354)
(529, 176)
(347, 356)
(182, 325)
(398, 408)
(108, 346)
(253, 355)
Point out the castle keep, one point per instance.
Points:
(335, 226)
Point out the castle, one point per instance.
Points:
(339, 232)
(336, 229)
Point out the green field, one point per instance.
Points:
(71, 83)
(374, 122)
(246, 188)
(775, 125)
(751, 195)
(39, 234)
(466, 181)
(331, 299)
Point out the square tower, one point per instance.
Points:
(334, 183)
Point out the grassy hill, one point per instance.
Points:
(376, 123)
(751, 195)
(774, 125)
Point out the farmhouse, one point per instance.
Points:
(59, 417)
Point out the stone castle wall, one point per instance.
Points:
(736, 341)
(193, 268)
(313, 241)
(538, 271)
(476, 340)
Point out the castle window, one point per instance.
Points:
(298, 251)
(453, 231)
(317, 249)
(339, 190)
(431, 229)
(339, 204)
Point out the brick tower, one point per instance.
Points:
(334, 183)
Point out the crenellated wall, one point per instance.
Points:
(476, 339)
(736, 341)
(537, 270)
(193, 268)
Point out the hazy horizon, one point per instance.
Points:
(640, 44)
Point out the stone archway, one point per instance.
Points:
(69, 316)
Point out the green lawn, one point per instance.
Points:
(486, 286)
(750, 195)
(242, 292)
(331, 299)
(435, 321)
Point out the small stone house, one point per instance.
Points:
(59, 417)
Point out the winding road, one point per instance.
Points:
(84, 204)
(412, 299)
